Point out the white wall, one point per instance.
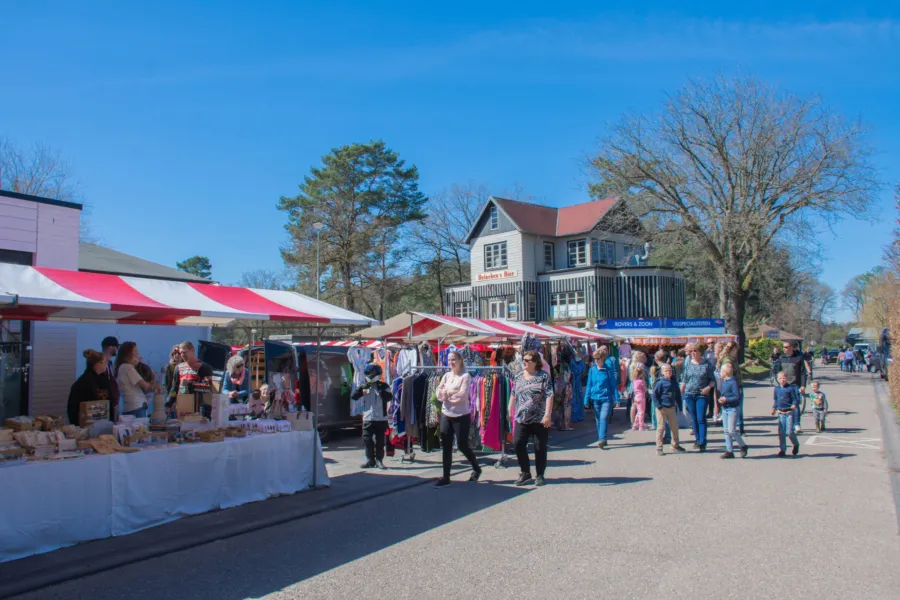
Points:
(52, 366)
(57, 237)
(154, 341)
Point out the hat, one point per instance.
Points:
(109, 341)
(372, 372)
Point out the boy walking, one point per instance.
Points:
(667, 397)
(730, 401)
(374, 396)
(820, 406)
(786, 401)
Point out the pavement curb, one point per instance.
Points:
(890, 427)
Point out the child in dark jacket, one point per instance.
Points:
(667, 397)
(786, 401)
(730, 401)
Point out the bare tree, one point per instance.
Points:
(736, 166)
(39, 171)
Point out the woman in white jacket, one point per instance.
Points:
(453, 393)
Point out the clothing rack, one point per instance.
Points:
(410, 454)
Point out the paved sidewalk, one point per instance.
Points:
(615, 523)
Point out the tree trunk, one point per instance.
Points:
(347, 279)
(723, 297)
(734, 319)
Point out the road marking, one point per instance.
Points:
(825, 440)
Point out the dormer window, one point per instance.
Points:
(495, 219)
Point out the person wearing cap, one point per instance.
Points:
(110, 347)
(375, 395)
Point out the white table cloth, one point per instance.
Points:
(49, 505)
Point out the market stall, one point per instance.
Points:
(66, 484)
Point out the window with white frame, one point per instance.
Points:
(567, 304)
(548, 256)
(603, 252)
(463, 310)
(495, 256)
(495, 219)
(577, 253)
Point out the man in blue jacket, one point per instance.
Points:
(601, 392)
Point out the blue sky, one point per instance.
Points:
(185, 121)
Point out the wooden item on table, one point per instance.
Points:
(48, 422)
(300, 421)
(91, 411)
(19, 423)
(108, 444)
(210, 436)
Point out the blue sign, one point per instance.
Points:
(629, 324)
(695, 323)
(773, 334)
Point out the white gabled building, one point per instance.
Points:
(583, 262)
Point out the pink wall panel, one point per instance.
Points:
(18, 224)
(57, 237)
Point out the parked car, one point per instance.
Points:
(832, 355)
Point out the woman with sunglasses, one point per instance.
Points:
(697, 381)
(532, 404)
(453, 393)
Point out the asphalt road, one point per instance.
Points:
(620, 522)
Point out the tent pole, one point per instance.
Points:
(315, 408)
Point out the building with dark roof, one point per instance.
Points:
(100, 259)
(538, 263)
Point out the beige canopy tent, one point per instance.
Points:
(774, 333)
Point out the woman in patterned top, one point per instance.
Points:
(532, 403)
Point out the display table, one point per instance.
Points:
(48, 505)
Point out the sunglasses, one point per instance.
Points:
(531, 360)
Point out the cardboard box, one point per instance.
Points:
(93, 410)
(185, 404)
(300, 421)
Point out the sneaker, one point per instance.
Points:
(695, 446)
(796, 450)
(701, 448)
(744, 451)
(797, 430)
(727, 455)
(367, 465)
(659, 452)
(601, 444)
(539, 481)
(475, 475)
(380, 464)
(524, 479)
(781, 454)
(678, 449)
(442, 483)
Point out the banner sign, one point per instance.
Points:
(629, 323)
(661, 324)
(493, 275)
(694, 323)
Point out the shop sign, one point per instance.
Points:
(493, 275)
(773, 335)
(629, 324)
(695, 323)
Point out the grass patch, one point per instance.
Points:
(755, 372)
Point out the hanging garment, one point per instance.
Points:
(492, 431)
(382, 358)
(407, 360)
(359, 357)
(577, 368)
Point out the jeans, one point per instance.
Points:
(602, 408)
(138, 413)
(541, 435)
(796, 418)
(697, 405)
(786, 429)
(459, 427)
(819, 415)
(729, 425)
(373, 437)
(740, 413)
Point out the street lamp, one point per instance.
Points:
(318, 227)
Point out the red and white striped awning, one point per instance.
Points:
(38, 293)
(425, 326)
